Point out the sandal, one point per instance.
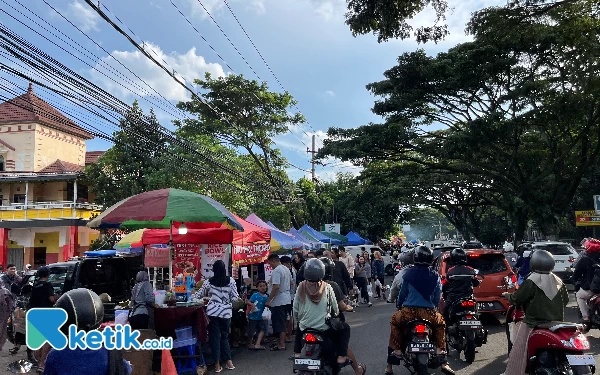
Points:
(363, 367)
(389, 373)
(259, 348)
(276, 348)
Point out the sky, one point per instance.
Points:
(311, 53)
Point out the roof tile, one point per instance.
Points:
(60, 166)
(91, 157)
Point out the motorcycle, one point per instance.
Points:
(594, 305)
(419, 354)
(554, 347)
(465, 331)
(317, 356)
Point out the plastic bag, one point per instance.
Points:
(377, 284)
(370, 290)
(266, 314)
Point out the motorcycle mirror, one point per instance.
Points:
(476, 271)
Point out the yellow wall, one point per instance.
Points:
(53, 144)
(52, 213)
(48, 240)
(23, 142)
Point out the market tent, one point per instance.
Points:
(336, 236)
(355, 239)
(193, 236)
(284, 240)
(251, 234)
(307, 230)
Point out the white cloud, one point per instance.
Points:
(83, 16)
(329, 9)
(258, 6)
(330, 93)
(188, 65)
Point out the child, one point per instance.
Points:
(256, 324)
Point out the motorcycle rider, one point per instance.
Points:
(418, 299)
(583, 276)
(523, 266)
(460, 281)
(544, 297)
(406, 259)
(313, 299)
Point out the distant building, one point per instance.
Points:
(44, 204)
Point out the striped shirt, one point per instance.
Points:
(220, 298)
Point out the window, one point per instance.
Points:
(557, 249)
(2, 168)
(487, 263)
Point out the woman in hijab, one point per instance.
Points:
(142, 302)
(544, 297)
(222, 290)
(6, 307)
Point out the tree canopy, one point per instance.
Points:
(511, 119)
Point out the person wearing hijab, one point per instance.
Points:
(142, 302)
(583, 276)
(544, 297)
(222, 290)
(6, 308)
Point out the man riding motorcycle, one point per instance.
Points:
(584, 275)
(418, 299)
(406, 258)
(460, 281)
(544, 298)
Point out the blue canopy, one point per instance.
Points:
(355, 239)
(312, 245)
(285, 240)
(318, 235)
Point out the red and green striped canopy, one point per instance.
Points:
(158, 208)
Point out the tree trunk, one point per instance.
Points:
(520, 218)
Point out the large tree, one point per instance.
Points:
(515, 113)
(390, 19)
(244, 114)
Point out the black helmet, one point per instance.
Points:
(458, 256)
(423, 256)
(329, 268)
(541, 262)
(43, 271)
(407, 257)
(314, 270)
(84, 309)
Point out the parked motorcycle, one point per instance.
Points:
(318, 356)
(594, 305)
(465, 331)
(419, 354)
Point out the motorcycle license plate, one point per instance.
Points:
(307, 364)
(485, 305)
(470, 323)
(581, 360)
(421, 347)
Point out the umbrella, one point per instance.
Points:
(160, 208)
(131, 243)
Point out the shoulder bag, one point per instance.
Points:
(334, 322)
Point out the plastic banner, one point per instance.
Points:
(210, 254)
(187, 256)
(250, 254)
(156, 256)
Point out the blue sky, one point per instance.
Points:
(305, 42)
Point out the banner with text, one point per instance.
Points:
(243, 255)
(156, 256)
(187, 256)
(210, 254)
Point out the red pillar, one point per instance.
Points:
(72, 246)
(4, 246)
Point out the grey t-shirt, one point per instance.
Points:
(281, 276)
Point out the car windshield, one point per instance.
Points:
(58, 275)
(557, 249)
(487, 263)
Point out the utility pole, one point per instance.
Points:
(312, 159)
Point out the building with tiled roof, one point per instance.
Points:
(44, 201)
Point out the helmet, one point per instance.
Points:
(84, 309)
(458, 256)
(423, 256)
(541, 262)
(314, 270)
(329, 268)
(407, 257)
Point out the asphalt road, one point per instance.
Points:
(369, 340)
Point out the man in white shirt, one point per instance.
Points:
(347, 259)
(279, 299)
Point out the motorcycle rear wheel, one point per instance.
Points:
(470, 351)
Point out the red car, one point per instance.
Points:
(493, 266)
